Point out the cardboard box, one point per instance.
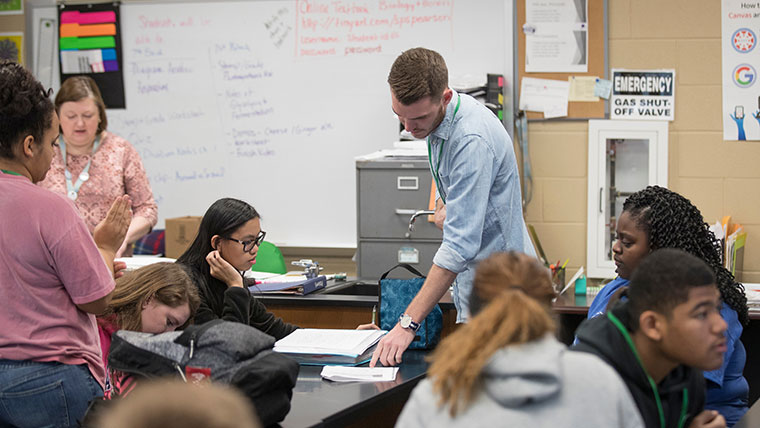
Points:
(180, 233)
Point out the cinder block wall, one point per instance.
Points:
(719, 177)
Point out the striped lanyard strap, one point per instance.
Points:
(440, 153)
(72, 189)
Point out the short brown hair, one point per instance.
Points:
(418, 73)
(78, 88)
(169, 283)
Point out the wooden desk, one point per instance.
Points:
(321, 403)
(342, 304)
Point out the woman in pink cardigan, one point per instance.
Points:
(93, 166)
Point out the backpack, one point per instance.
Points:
(227, 352)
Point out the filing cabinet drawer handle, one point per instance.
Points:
(405, 211)
(407, 183)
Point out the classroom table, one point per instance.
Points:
(321, 403)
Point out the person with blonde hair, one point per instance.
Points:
(153, 299)
(93, 166)
(174, 404)
(506, 368)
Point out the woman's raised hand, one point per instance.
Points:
(223, 271)
(109, 234)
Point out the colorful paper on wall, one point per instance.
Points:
(11, 7)
(83, 37)
(741, 63)
(90, 44)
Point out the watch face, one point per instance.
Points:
(405, 321)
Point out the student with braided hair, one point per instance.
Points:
(655, 218)
(506, 368)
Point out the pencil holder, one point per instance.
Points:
(558, 280)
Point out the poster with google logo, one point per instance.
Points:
(741, 63)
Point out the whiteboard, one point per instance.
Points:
(271, 101)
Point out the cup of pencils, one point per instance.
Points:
(558, 275)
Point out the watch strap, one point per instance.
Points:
(414, 326)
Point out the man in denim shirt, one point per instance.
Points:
(478, 202)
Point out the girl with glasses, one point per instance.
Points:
(226, 245)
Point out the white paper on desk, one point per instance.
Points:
(359, 374)
(544, 95)
(138, 261)
(266, 277)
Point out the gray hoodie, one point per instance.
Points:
(539, 384)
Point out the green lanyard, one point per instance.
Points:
(652, 384)
(440, 153)
(11, 172)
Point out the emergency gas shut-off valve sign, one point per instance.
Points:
(643, 95)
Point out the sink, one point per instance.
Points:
(352, 288)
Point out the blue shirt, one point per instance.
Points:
(727, 389)
(480, 182)
(599, 305)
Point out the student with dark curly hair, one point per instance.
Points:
(660, 218)
(52, 275)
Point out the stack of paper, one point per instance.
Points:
(733, 238)
(359, 374)
(753, 295)
(329, 346)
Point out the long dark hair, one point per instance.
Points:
(222, 218)
(672, 221)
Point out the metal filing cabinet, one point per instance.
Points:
(389, 190)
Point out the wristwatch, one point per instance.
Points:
(405, 320)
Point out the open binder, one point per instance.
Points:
(316, 346)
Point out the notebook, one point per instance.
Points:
(314, 346)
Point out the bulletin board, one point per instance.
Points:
(597, 60)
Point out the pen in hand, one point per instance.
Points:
(374, 314)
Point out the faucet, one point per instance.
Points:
(413, 218)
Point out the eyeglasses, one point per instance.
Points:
(249, 244)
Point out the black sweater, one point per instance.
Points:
(235, 304)
(601, 337)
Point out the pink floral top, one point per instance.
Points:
(116, 169)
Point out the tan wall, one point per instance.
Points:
(15, 24)
(719, 177)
